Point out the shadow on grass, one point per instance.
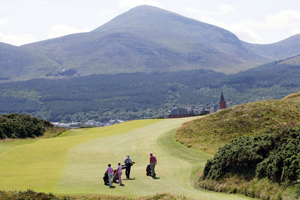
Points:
(154, 177)
(129, 179)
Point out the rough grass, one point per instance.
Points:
(255, 188)
(51, 132)
(32, 195)
(212, 132)
(293, 97)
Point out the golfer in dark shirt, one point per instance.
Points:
(128, 163)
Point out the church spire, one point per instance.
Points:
(222, 101)
(222, 97)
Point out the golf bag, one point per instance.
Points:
(105, 178)
(148, 170)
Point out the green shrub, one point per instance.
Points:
(275, 156)
(21, 126)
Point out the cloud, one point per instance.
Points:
(17, 39)
(247, 29)
(283, 19)
(134, 3)
(3, 22)
(106, 13)
(62, 30)
(244, 32)
(225, 9)
(295, 31)
(221, 10)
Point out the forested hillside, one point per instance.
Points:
(144, 95)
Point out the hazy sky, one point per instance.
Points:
(255, 21)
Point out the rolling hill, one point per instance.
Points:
(256, 147)
(280, 50)
(143, 39)
(148, 39)
(21, 64)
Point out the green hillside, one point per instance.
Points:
(212, 132)
(256, 147)
(22, 64)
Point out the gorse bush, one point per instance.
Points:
(275, 156)
(21, 126)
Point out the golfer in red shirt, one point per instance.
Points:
(153, 162)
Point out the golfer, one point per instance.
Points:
(128, 163)
(119, 170)
(110, 172)
(153, 162)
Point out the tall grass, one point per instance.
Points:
(212, 132)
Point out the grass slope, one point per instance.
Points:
(212, 132)
(76, 164)
(259, 118)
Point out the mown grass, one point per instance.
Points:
(37, 163)
(214, 131)
(74, 166)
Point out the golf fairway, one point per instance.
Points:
(75, 163)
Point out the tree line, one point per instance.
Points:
(143, 95)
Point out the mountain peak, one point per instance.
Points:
(137, 18)
(149, 21)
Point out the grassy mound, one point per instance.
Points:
(256, 146)
(294, 96)
(214, 131)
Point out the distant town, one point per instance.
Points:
(173, 113)
(88, 123)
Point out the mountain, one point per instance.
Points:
(146, 39)
(22, 64)
(279, 50)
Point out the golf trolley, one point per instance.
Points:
(115, 176)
